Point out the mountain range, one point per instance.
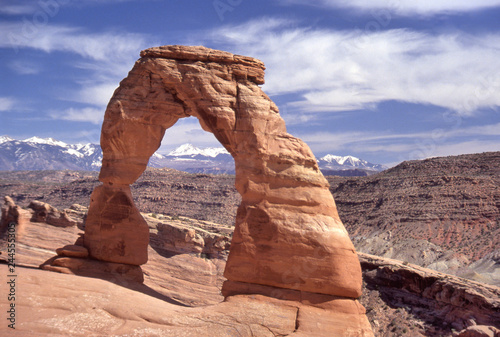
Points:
(49, 154)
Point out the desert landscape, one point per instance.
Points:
(400, 296)
(254, 168)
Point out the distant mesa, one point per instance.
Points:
(37, 153)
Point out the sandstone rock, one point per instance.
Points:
(78, 208)
(288, 233)
(55, 304)
(13, 214)
(73, 251)
(180, 239)
(190, 236)
(479, 331)
(117, 272)
(437, 297)
(115, 230)
(317, 314)
(44, 212)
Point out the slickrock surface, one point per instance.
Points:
(287, 216)
(93, 307)
(53, 304)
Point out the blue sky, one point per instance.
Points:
(385, 81)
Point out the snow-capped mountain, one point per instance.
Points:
(190, 158)
(332, 162)
(37, 153)
(48, 154)
(189, 150)
(4, 139)
(46, 141)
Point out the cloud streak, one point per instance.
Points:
(404, 7)
(409, 146)
(332, 70)
(105, 56)
(54, 38)
(87, 114)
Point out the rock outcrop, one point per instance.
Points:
(14, 215)
(288, 235)
(181, 235)
(43, 212)
(444, 302)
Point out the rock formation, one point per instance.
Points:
(13, 214)
(43, 212)
(445, 302)
(288, 241)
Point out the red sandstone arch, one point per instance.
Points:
(288, 233)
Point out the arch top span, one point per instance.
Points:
(254, 68)
(287, 234)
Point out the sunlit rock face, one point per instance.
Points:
(288, 233)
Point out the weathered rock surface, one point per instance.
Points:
(180, 235)
(443, 302)
(479, 331)
(43, 212)
(114, 229)
(125, 307)
(288, 233)
(94, 307)
(73, 251)
(13, 214)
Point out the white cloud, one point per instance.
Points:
(96, 94)
(88, 114)
(405, 7)
(333, 70)
(6, 103)
(50, 38)
(408, 146)
(106, 57)
(465, 147)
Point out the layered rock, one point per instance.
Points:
(288, 234)
(452, 202)
(443, 301)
